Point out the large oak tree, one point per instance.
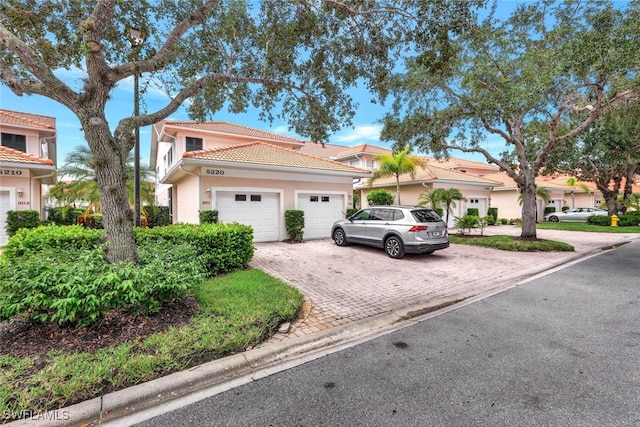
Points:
(607, 154)
(292, 59)
(535, 80)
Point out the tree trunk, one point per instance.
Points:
(529, 208)
(110, 157)
(398, 188)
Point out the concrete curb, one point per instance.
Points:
(260, 362)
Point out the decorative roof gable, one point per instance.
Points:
(259, 153)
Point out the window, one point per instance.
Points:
(313, 198)
(325, 198)
(241, 197)
(17, 142)
(256, 198)
(370, 164)
(193, 144)
(363, 214)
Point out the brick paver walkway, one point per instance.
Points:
(345, 284)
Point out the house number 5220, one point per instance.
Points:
(215, 172)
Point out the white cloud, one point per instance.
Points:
(359, 134)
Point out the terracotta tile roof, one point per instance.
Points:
(260, 153)
(316, 149)
(27, 119)
(230, 128)
(9, 155)
(362, 149)
(432, 173)
(455, 162)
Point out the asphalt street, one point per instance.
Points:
(559, 350)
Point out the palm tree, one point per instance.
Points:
(449, 197)
(541, 192)
(430, 199)
(83, 188)
(397, 164)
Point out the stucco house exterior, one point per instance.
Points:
(27, 163)
(249, 176)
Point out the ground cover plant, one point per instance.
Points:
(511, 243)
(76, 327)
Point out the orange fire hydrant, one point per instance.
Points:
(614, 220)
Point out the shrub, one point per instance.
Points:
(599, 220)
(504, 221)
(158, 216)
(565, 208)
(629, 219)
(473, 212)
(221, 247)
(91, 221)
(294, 223)
(380, 197)
(63, 215)
(549, 209)
(208, 217)
(75, 287)
(27, 242)
(493, 213)
(465, 223)
(17, 220)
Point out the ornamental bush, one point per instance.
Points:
(60, 274)
(380, 197)
(75, 287)
(599, 220)
(294, 223)
(17, 220)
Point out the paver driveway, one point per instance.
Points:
(345, 284)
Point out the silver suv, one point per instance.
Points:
(397, 229)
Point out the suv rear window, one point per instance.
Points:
(425, 215)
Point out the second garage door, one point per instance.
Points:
(320, 212)
(259, 210)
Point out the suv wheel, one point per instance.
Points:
(339, 237)
(553, 218)
(394, 247)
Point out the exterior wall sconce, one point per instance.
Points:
(20, 193)
(208, 192)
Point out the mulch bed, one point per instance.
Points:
(22, 339)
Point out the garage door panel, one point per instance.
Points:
(259, 210)
(320, 212)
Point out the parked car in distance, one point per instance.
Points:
(396, 229)
(574, 215)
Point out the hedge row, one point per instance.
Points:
(59, 273)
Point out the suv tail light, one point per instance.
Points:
(417, 228)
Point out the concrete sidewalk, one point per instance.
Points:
(352, 294)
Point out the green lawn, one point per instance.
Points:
(237, 311)
(511, 243)
(583, 226)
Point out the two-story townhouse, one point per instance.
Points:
(27, 162)
(249, 176)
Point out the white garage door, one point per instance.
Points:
(259, 210)
(4, 208)
(320, 212)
